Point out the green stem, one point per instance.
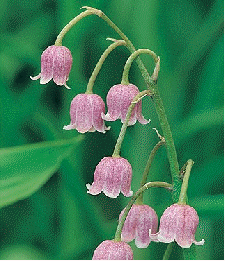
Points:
(150, 83)
(183, 192)
(135, 196)
(72, 23)
(171, 151)
(136, 99)
(129, 61)
(168, 251)
(101, 61)
(147, 168)
(170, 147)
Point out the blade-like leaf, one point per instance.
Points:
(24, 169)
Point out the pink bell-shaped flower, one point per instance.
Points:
(178, 223)
(119, 99)
(56, 63)
(140, 219)
(85, 114)
(113, 250)
(112, 175)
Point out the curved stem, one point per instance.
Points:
(170, 147)
(101, 61)
(183, 192)
(135, 196)
(147, 168)
(136, 99)
(72, 23)
(131, 59)
(150, 83)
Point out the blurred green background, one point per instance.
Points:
(46, 212)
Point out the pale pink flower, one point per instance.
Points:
(140, 219)
(178, 223)
(113, 250)
(85, 113)
(119, 99)
(56, 63)
(112, 175)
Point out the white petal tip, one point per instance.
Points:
(67, 87)
(69, 127)
(36, 77)
(200, 243)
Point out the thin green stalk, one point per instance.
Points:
(136, 99)
(147, 168)
(100, 63)
(71, 24)
(170, 147)
(135, 196)
(183, 192)
(129, 61)
(150, 83)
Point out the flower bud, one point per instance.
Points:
(56, 63)
(85, 113)
(139, 220)
(178, 223)
(119, 99)
(112, 175)
(113, 250)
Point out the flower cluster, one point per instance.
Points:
(114, 174)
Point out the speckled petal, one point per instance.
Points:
(99, 178)
(113, 250)
(139, 116)
(129, 92)
(147, 220)
(128, 232)
(98, 107)
(113, 177)
(126, 178)
(47, 65)
(113, 99)
(61, 64)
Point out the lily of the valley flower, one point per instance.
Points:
(178, 223)
(140, 219)
(118, 99)
(56, 63)
(112, 175)
(85, 113)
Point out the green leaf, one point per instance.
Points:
(24, 169)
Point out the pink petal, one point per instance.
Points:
(98, 107)
(47, 65)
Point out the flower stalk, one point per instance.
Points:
(147, 168)
(129, 61)
(183, 192)
(136, 99)
(136, 195)
(100, 63)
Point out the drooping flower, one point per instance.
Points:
(140, 219)
(56, 63)
(113, 250)
(85, 114)
(119, 99)
(112, 175)
(178, 223)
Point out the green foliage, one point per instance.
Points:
(43, 169)
(24, 169)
